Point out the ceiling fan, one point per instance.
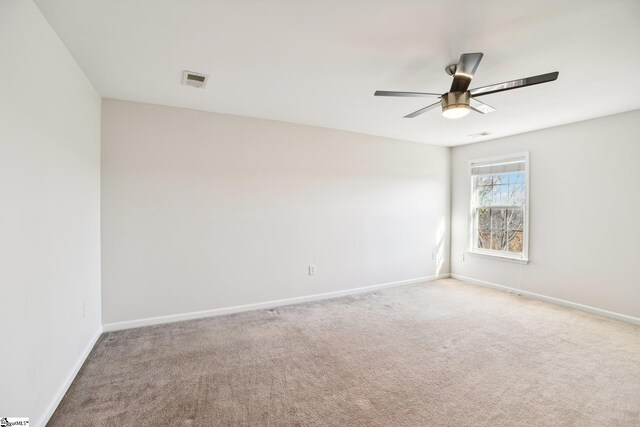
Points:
(460, 99)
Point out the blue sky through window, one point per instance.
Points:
(505, 189)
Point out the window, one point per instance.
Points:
(499, 214)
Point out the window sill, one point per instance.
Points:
(498, 257)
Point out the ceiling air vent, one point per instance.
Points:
(479, 134)
(190, 78)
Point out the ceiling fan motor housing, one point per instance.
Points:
(452, 100)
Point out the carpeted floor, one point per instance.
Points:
(435, 354)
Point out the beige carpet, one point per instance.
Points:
(435, 354)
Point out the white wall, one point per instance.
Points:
(49, 213)
(204, 211)
(585, 208)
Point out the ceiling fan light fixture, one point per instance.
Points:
(455, 104)
(455, 112)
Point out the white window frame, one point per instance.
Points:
(493, 254)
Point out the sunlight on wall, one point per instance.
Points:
(439, 248)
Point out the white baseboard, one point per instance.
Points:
(565, 303)
(108, 327)
(67, 383)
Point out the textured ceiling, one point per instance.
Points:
(319, 62)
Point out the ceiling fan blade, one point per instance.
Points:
(480, 107)
(514, 84)
(388, 93)
(421, 111)
(465, 69)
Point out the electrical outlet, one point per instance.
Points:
(461, 256)
(312, 270)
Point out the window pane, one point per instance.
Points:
(504, 195)
(484, 219)
(517, 196)
(515, 241)
(495, 198)
(511, 196)
(485, 180)
(498, 240)
(514, 219)
(484, 195)
(517, 178)
(484, 239)
(497, 219)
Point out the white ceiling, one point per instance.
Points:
(318, 62)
